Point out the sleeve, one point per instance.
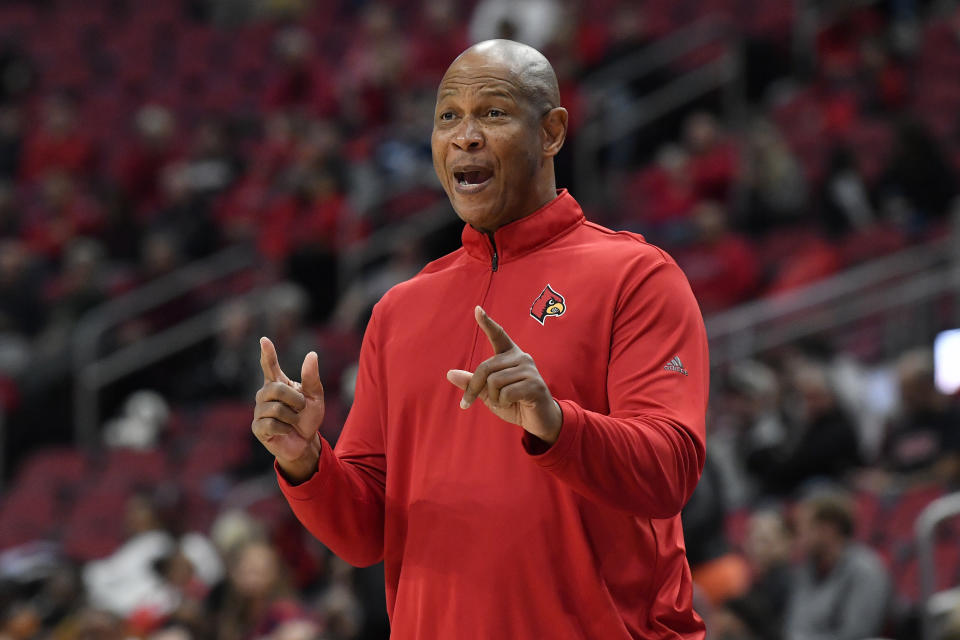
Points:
(866, 607)
(647, 454)
(343, 503)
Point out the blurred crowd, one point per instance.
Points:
(136, 138)
(803, 522)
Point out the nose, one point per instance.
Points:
(468, 136)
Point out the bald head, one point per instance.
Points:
(529, 69)
(497, 126)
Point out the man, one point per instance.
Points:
(567, 527)
(842, 590)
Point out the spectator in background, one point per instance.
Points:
(717, 571)
(62, 212)
(78, 288)
(747, 417)
(884, 81)
(185, 214)
(532, 22)
(305, 82)
(139, 168)
(233, 369)
(256, 599)
(820, 440)
(313, 216)
(438, 38)
(338, 605)
(776, 190)
(714, 162)
(721, 265)
(758, 613)
(920, 174)
(211, 164)
(125, 581)
(841, 590)
(659, 198)
(376, 64)
(238, 211)
(59, 144)
(845, 199)
(922, 441)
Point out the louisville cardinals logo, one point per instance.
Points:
(548, 303)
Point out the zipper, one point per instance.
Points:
(478, 335)
(495, 258)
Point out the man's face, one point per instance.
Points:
(486, 141)
(813, 536)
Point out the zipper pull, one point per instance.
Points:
(495, 258)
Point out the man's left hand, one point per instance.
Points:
(510, 385)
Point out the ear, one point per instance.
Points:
(553, 130)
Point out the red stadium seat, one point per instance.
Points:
(130, 468)
(54, 468)
(226, 418)
(27, 513)
(901, 518)
(95, 526)
(946, 557)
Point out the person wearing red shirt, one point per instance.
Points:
(568, 526)
(58, 145)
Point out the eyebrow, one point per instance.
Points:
(496, 91)
(487, 91)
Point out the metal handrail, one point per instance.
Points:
(897, 265)
(87, 364)
(910, 275)
(656, 55)
(385, 240)
(925, 529)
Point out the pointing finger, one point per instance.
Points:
(270, 363)
(498, 338)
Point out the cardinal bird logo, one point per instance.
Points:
(548, 303)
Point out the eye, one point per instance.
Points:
(446, 116)
(496, 113)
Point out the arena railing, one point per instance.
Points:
(908, 295)
(606, 90)
(385, 240)
(935, 605)
(93, 371)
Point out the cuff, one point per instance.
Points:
(559, 450)
(308, 489)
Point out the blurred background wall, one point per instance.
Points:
(180, 177)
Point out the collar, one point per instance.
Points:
(526, 234)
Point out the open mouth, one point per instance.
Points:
(472, 179)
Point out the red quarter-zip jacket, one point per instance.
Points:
(483, 535)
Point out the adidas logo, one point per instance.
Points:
(676, 365)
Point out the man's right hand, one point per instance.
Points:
(288, 414)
